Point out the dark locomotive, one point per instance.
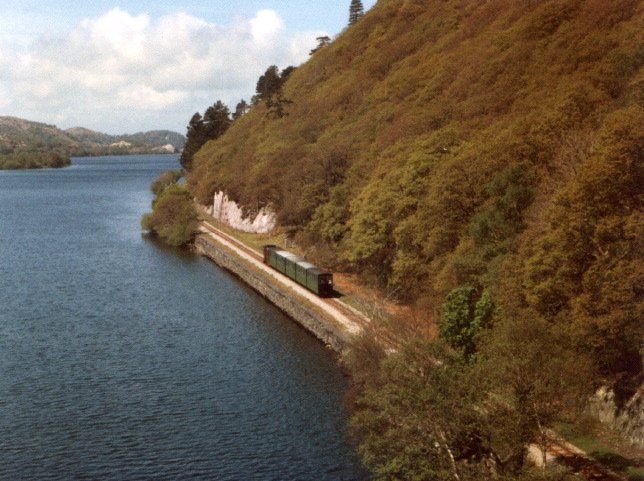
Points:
(302, 272)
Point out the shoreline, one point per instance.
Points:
(328, 320)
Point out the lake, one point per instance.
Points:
(122, 359)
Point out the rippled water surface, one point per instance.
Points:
(122, 360)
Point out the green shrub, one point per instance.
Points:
(174, 217)
(464, 317)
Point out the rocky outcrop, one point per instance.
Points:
(627, 420)
(230, 213)
(165, 149)
(122, 144)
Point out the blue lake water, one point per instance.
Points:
(121, 359)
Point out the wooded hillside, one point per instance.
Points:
(441, 144)
(27, 144)
(482, 161)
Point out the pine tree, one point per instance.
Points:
(213, 124)
(216, 120)
(269, 90)
(194, 140)
(268, 84)
(322, 42)
(241, 109)
(356, 10)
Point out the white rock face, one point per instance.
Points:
(627, 419)
(169, 148)
(121, 143)
(229, 213)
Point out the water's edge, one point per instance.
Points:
(325, 331)
(123, 358)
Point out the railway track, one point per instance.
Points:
(387, 339)
(337, 304)
(240, 245)
(346, 311)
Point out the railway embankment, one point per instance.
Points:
(326, 321)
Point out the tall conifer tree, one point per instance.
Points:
(194, 140)
(356, 10)
(213, 124)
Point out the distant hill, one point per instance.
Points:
(89, 136)
(27, 144)
(157, 139)
(22, 135)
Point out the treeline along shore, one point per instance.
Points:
(33, 160)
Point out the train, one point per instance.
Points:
(304, 273)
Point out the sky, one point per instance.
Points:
(125, 66)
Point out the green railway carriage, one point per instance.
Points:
(320, 282)
(290, 262)
(272, 259)
(302, 272)
(280, 260)
(301, 268)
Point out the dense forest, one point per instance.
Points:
(482, 162)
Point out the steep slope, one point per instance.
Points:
(441, 144)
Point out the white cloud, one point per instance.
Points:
(113, 72)
(117, 31)
(265, 26)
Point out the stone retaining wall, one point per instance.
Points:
(317, 324)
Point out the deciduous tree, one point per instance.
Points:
(165, 180)
(173, 217)
(463, 318)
